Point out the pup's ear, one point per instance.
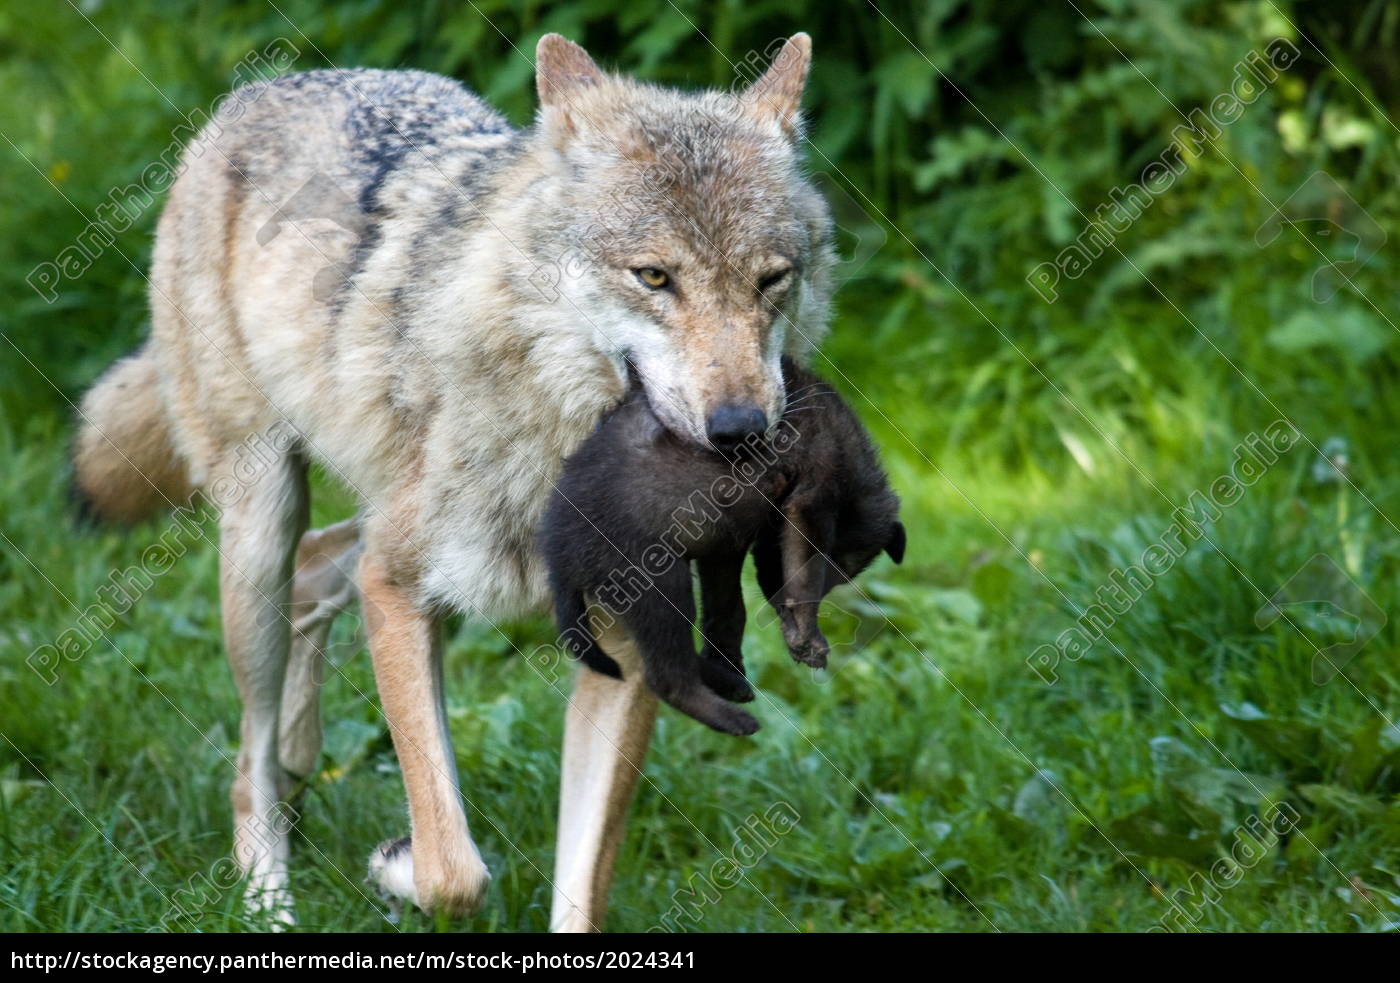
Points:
(777, 93)
(562, 68)
(895, 546)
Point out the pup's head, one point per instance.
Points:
(696, 246)
(865, 528)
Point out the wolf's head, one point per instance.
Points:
(695, 246)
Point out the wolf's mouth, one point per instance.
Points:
(675, 421)
(634, 378)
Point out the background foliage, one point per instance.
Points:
(1038, 447)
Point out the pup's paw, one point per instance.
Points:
(732, 720)
(810, 652)
(701, 703)
(725, 682)
(723, 716)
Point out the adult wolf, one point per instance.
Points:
(439, 307)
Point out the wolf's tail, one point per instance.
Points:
(125, 465)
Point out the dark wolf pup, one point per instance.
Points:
(635, 507)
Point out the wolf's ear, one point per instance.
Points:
(895, 546)
(561, 67)
(777, 94)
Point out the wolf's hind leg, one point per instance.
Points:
(258, 535)
(324, 586)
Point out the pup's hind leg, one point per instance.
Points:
(705, 705)
(722, 626)
(662, 622)
(258, 534)
(323, 587)
(571, 613)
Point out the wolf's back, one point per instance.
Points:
(125, 465)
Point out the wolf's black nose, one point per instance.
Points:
(731, 425)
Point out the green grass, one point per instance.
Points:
(938, 781)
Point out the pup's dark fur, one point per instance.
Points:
(635, 506)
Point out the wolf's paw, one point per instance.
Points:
(392, 875)
(270, 902)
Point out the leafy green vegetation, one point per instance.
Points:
(1041, 448)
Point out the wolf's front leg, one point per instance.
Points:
(442, 871)
(606, 731)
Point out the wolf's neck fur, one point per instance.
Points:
(506, 368)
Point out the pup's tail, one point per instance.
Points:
(572, 615)
(125, 465)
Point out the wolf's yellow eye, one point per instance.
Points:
(772, 280)
(652, 277)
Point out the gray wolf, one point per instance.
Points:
(636, 506)
(431, 373)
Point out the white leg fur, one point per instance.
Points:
(606, 731)
(391, 872)
(258, 536)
